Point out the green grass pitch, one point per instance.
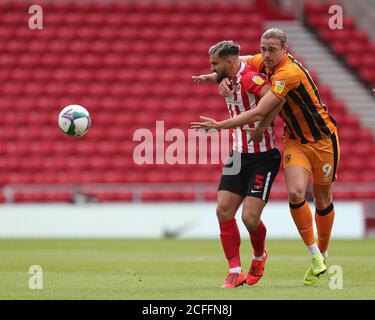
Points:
(175, 269)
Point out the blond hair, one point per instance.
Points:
(275, 33)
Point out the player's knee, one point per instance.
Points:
(224, 212)
(251, 217)
(251, 222)
(322, 203)
(296, 195)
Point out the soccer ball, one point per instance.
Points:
(74, 120)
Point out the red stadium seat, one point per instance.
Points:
(43, 197)
(348, 176)
(313, 8)
(168, 196)
(110, 196)
(345, 195)
(278, 195)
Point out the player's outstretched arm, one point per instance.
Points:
(205, 123)
(269, 102)
(205, 78)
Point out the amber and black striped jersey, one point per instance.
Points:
(305, 116)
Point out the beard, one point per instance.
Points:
(220, 76)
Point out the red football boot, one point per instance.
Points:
(256, 270)
(233, 280)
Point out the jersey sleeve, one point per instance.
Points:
(256, 62)
(284, 81)
(254, 82)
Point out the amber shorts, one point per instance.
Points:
(319, 158)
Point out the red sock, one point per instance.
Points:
(258, 239)
(231, 240)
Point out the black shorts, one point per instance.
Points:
(255, 178)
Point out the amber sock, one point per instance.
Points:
(303, 220)
(324, 223)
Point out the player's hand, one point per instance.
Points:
(202, 78)
(224, 88)
(373, 91)
(206, 124)
(256, 134)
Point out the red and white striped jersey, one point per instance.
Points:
(247, 85)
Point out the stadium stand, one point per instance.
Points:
(357, 54)
(130, 65)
